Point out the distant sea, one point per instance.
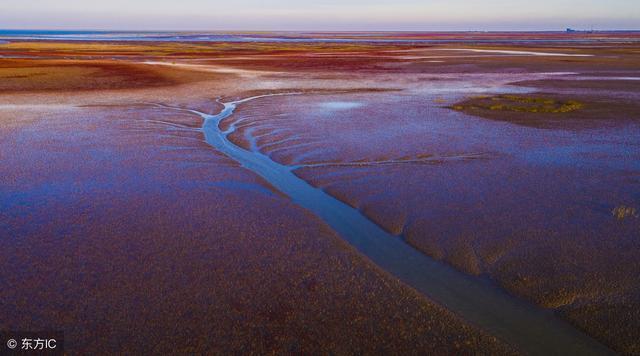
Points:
(302, 37)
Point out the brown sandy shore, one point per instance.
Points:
(117, 216)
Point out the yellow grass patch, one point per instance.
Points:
(520, 103)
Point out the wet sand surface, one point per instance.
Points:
(116, 215)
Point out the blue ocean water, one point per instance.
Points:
(160, 36)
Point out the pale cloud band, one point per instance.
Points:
(320, 15)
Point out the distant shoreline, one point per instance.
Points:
(381, 37)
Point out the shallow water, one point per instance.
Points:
(340, 105)
(530, 330)
(55, 35)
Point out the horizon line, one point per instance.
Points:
(578, 30)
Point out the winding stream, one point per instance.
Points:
(531, 330)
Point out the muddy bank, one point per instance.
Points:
(532, 210)
(552, 110)
(119, 217)
(28, 76)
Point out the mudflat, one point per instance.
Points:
(515, 163)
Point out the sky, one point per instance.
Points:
(327, 15)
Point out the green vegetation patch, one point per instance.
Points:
(519, 103)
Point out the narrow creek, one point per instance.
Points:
(531, 330)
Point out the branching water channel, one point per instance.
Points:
(529, 329)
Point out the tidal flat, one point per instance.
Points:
(409, 194)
